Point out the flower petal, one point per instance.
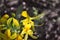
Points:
(24, 13)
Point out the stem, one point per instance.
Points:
(34, 37)
(38, 16)
(26, 37)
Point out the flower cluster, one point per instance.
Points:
(17, 29)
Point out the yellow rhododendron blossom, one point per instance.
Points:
(14, 21)
(24, 14)
(8, 33)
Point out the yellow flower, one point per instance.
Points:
(24, 13)
(18, 38)
(8, 33)
(13, 36)
(14, 21)
(25, 29)
(4, 18)
(28, 32)
(25, 21)
(28, 21)
(27, 26)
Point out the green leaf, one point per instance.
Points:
(3, 28)
(38, 16)
(3, 36)
(9, 21)
(19, 10)
(2, 25)
(35, 11)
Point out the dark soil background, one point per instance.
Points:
(51, 28)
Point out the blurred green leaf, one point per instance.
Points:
(35, 11)
(19, 10)
(3, 36)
